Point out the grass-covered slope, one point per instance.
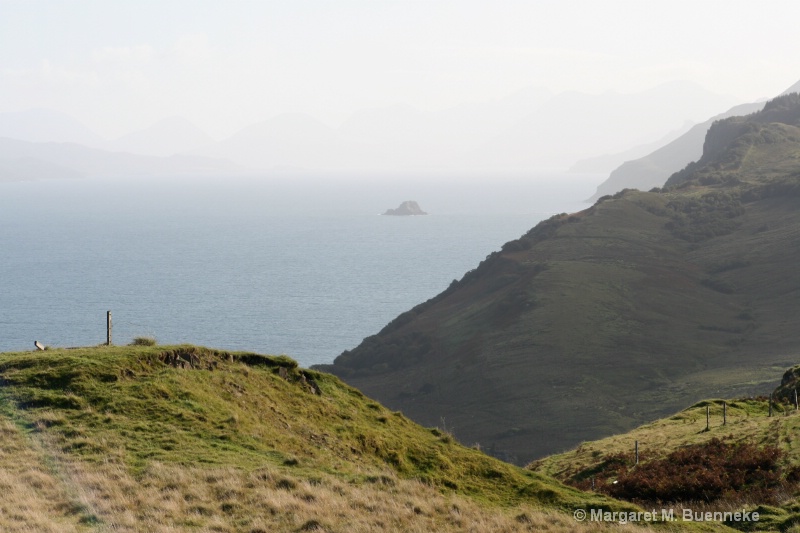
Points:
(715, 455)
(191, 439)
(593, 323)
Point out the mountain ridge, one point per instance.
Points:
(530, 130)
(653, 169)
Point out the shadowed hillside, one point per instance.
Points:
(595, 322)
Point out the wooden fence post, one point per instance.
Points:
(108, 328)
(724, 413)
(770, 405)
(708, 417)
(795, 399)
(636, 451)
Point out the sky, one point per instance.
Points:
(119, 66)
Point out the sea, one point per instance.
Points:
(304, 266)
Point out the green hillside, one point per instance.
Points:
(184, 438)
(595, 322)
(696, 455)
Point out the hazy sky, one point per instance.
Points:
(122, 65)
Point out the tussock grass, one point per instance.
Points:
(33, 499)
(143, 341)
(178, 498)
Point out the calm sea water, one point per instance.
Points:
(302, 267)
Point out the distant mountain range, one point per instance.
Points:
(47, 125)
(604, 164)
(23, 160)
(530, 131)
(170, 136)
(45, 144)
(166, 137)
(571, 126)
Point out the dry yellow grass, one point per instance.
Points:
(33, 498)
(47, 490)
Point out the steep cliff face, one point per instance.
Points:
(653, 169)
(597, 321)
(748, 147)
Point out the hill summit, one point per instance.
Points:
(185, 438)
(595, 322)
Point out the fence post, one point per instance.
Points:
(724, 413)
(708, 418)
(795, 399)
(770, 405)
(108, 328)
(636, 451)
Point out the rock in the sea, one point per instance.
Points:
(406, 208)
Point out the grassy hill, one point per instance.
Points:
(696, 458)
(184, 438)
(595, 322)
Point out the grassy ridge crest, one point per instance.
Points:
(176, 438)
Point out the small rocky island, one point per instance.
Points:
(406, 208)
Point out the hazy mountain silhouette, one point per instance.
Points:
(23, 160)
(47, 125)
(294, 140)
(526, 131)
(605, 163)
(572, 125)
(530, 131)
(793, 89)
(166, 137)
(439, 139)
(653, 169)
